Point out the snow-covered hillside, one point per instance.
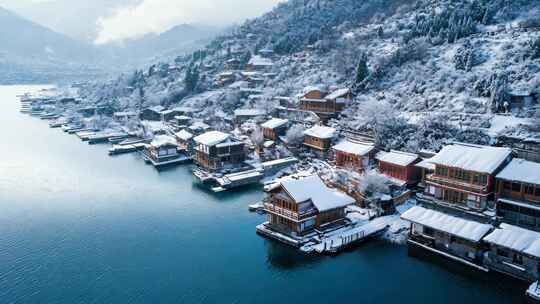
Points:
(424, 72)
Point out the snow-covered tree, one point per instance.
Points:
(257, 137)
(295, 135)
(373, 184)
(535, 48)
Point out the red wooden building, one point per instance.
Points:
(464, 176)
(400, 165)
(355, 155)
(296, 207)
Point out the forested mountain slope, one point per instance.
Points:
(424, 71)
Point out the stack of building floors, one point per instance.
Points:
(482, 208)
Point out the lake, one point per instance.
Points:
(78, 226)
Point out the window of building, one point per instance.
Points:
(537, 192)
(516, 187)
(442, 171)
(518, 259)
(529, 189)
(507, 186)
(428, 231)
(502, 252)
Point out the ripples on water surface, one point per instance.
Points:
(78, 226)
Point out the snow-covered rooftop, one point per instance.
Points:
(310, 89)
(483, 159)
(426, 164)
(184, 135)
(157, 108)
(124, 114)
(337, 94)
(260, 61)
(249, 112)
(312, 188)
(199, 125)
(354, 148)
(397, 158)
(516, 238)
(162, 140)
(459, 227)
(275, 123)
(321, 132)
(212, 138)
(521, 170)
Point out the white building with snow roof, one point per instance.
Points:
(514, 251)
(447, 235)
(163, 151)
(297, 206)
(464, 177)
(355, 155)
(319, 139)
(400, 166)
(518, 194)
(215, 151)
(274, 128)
(325, 105)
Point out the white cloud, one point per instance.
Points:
(156, 16)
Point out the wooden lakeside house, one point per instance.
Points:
(358, 156)
(274, 128)
(243, 115)
(400, 166)
(446, 235)
(182, 120)
(163, 151)
(259, 63)
(232, 64)
(296, 207)
(325, 105)
(518, 194)
(185, 141)
(169, 115)
(216, 151)
(225, 78)
(319, 139)
(526, 148)
(514, 251)
(464, 177)
(426, 168)
(124, 116)
(152, 113)
(521, 99)
(198, 128)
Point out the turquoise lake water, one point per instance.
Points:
(78, 226)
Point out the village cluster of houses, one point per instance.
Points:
(476, 204)
(479, 205)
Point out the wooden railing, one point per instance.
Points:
(269, 207)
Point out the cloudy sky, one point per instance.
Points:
(107, 21)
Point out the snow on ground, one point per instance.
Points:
(501, 122)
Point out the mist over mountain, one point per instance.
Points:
(32, 52)
(76, 19)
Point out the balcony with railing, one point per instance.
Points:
(456, 183)
(289, 214)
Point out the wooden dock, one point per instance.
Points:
(124, 149)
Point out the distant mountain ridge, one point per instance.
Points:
(32, 51)
(21, 37)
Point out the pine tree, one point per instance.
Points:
(192, 78)
(469, 64)
(380, 32)
(362, 71)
